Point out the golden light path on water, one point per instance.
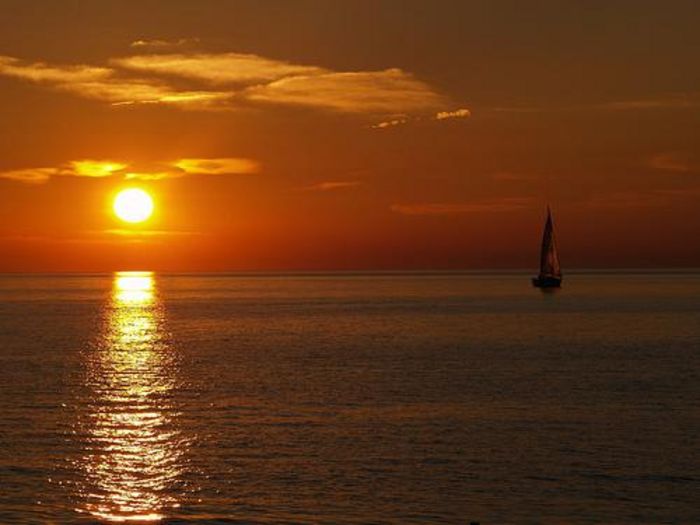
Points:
(134, 455)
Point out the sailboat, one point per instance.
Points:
(550, 270)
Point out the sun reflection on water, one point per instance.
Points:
(134, 457)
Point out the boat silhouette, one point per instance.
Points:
(550, 269)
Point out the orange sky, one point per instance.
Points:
(313, 135)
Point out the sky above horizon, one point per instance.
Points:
(367, 134)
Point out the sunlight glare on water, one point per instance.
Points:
(135, 450)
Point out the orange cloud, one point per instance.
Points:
(220, 166)
(391, 123)
(119, 92)
(164, 43)
(458, 113)
(96, 168)
(399, 120)
(671, 162)
(485, 206)
(222, 68)
(333, 185)
(157, 171)
(248, 78)
(388, 91)
(30, 175)
(103, 84)
(41, 72)
(675, 101)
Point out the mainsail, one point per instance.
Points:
(549, 259)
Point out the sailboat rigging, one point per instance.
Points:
(550, 269)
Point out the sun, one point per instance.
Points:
(133, 205)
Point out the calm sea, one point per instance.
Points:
(349, 399)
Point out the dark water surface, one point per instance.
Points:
(349, 399)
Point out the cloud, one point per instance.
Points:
(149, 233)
(640, 199)
(484, 206)
(150, 94)
(333, 185)
(388, 91)
(131, 93)
(671, 101)
(96, 168)
(108, 236)
(220, 166)
(154, 175)
(120, 92)
(624, 200)
(399, 120)
(675, 101)
(226, 80)
(180, 42)
(674, 162)
(41, 72)
(76, 168)
(222, 68)
(100, 83)
(30, 175)
(457, 113)
(156, 171)
(391, 123)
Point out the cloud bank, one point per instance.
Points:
(158, 171)
(105, 84)
(231, 80)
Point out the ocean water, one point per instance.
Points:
(430, 398)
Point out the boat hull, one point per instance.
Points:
(546, 282)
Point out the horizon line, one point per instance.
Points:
(465, 271)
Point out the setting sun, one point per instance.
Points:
(133, 205)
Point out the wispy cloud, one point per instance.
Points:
(391, 123)
(30, 175)
(674, 162)
(388, 91)
(672, 101)
(155, 171)
(134, 92)
(101, 83)
(41, 72)
(457, 113)
(221, 68)
(399, 120)
(149, 233)
(333, 185)
(446, 208)
(625, 200)
(156, 174)
(109, 236)
(159, 44)
(640, 199)
(128, 93)
(220, 166)
(96, 168)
